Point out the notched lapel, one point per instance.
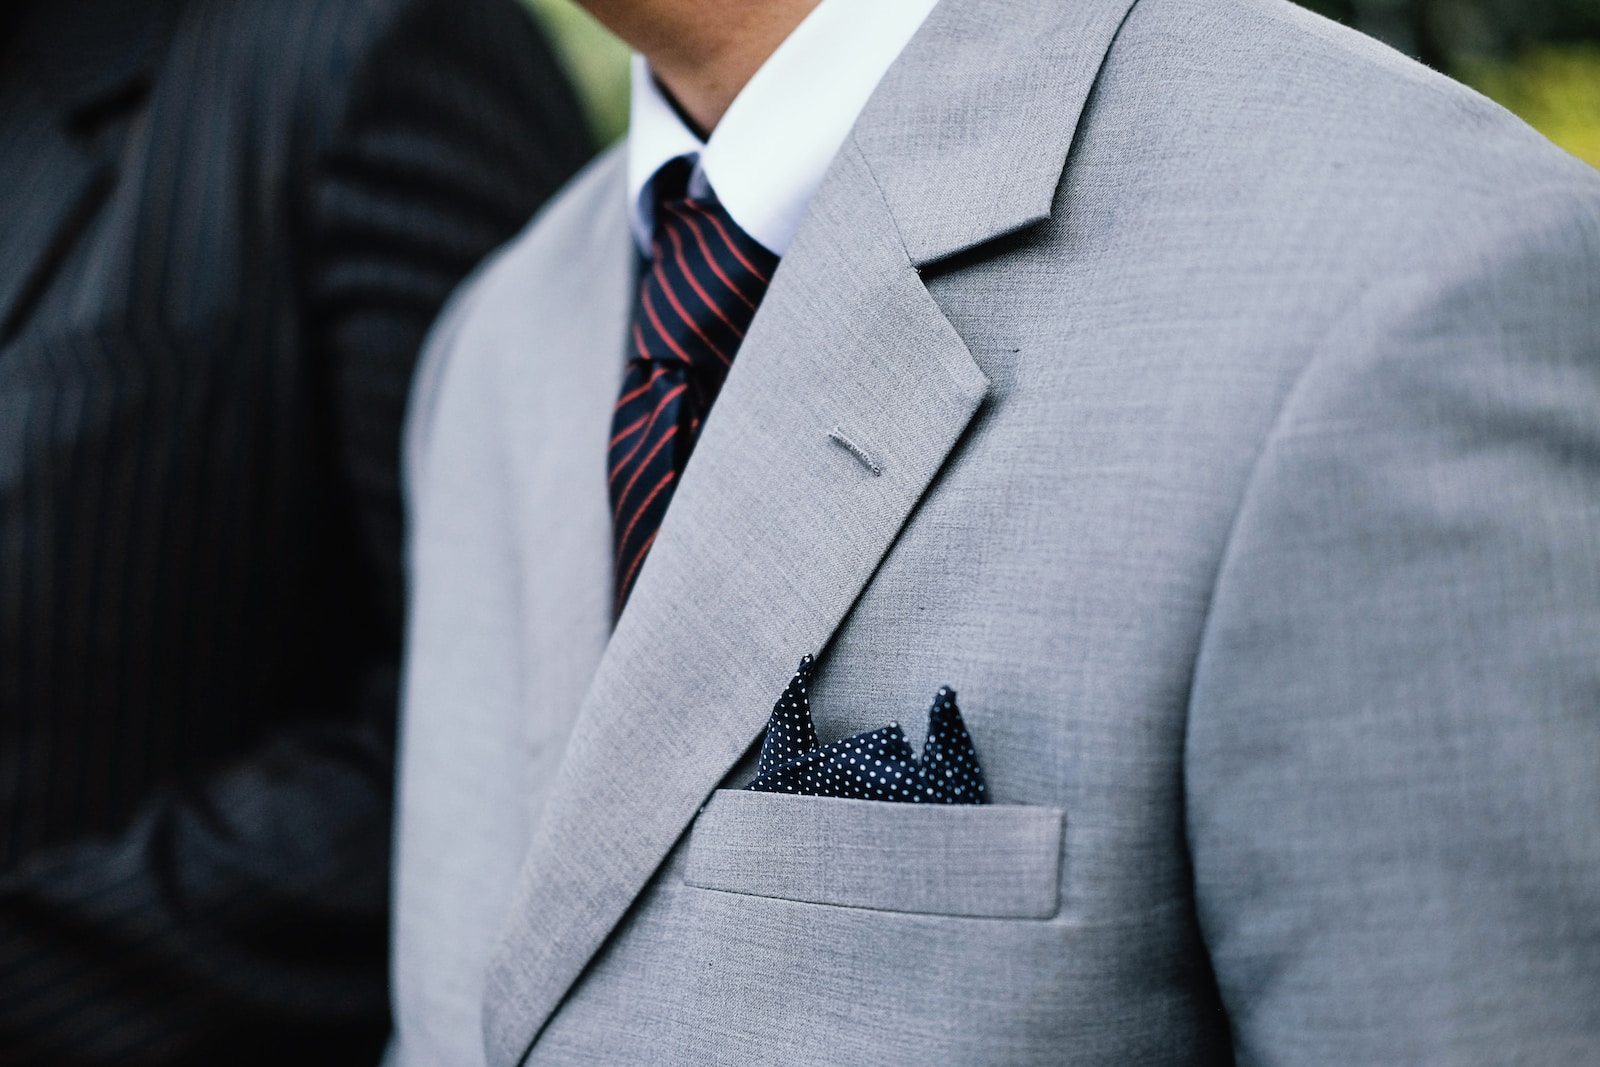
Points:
(771, 536)
(970, 130)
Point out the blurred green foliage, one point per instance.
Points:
(597, 61)
(1540, 58)
(1555, 87)
(1443, 33)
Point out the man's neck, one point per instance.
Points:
(703, 51)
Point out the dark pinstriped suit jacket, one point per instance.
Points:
(224, 229)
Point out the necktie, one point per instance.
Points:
(705, 279)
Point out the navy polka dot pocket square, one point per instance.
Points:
(878, 765)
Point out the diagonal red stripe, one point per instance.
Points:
(635, 393)
(711, 217)
(644, 465)
(623, 435)
(622, 541)
(705, 298)
(705, 250)
(661, 331)
(671, 395)
(638, 342)
(626, 585)
(672, 298)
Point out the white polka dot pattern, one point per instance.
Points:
(878, 765)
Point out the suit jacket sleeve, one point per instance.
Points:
(1393, 757)
(243, 919)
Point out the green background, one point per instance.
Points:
(1540, 58)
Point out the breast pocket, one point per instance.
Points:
(979, 861)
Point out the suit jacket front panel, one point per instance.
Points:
(649, 744)
(1058, 575)
(1140, 350)
(511, 596)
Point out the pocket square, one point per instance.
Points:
(877, 765)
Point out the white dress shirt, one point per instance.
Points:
(767, 156)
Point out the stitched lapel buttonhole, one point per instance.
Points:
(838, 437)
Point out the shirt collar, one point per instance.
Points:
(767, 156)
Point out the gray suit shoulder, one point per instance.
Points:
(1392, 159)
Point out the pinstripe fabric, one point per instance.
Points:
(706, 279)
(224, 229)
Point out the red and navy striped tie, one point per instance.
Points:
(705, 279)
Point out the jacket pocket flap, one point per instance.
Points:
(982, 861)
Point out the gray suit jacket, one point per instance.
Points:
(1235, 386)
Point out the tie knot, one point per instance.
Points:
(706, 279)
